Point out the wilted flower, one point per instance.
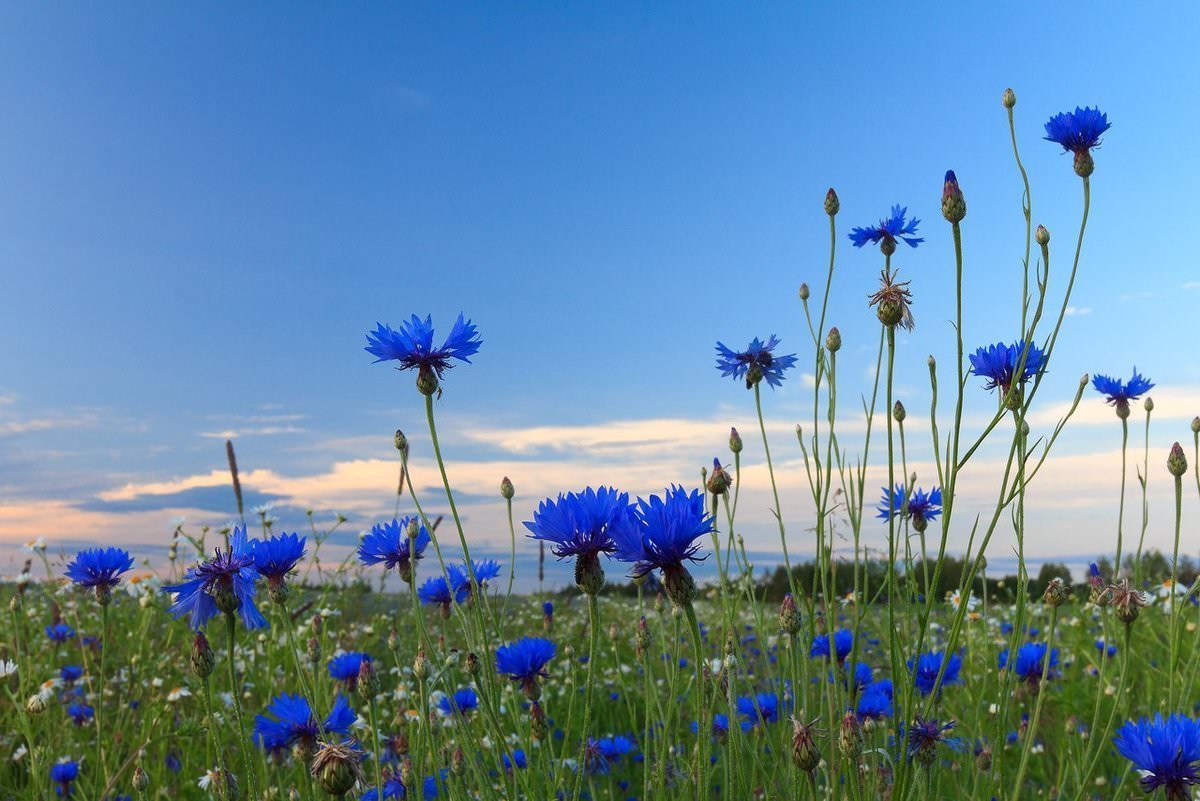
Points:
(893, 301)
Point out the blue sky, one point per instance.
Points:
(204, 208)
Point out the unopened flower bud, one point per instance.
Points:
(804, 292)
(641, 637)
(203, 658)
(833, 340)
(506, 489)
(954, 205)
(368, 680)
(832, 204)
(1196, 425)
(538, 727)
(1041, 236)
(1009, 98)
(789, 616)
(1177, 462)
(140, 779)
(393, 640)
(805, 752)
(735, 439)
(458, 761)
(420, 666)
(898, 412)
(1148, 405)
(401, 443)
(314, 650)
(472, 664)
(850, 737)
(35, 705)
(983, 759)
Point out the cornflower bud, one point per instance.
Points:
(789, 616)
(203, 658)
(1009, 98)
(735, 439)
(954, 205)
(1177, 462)
(804, 292)
(832, 204)
(833, 340)
(506, 489)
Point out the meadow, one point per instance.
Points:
(250, 667)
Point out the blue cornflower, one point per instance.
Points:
(392, 788)
(525, 661)
(389, 543)
(460, 702)
(926, 667)
(82, 714)
(438, 590)
(758, 708)
(345, 668)
(59, 632)
(1119, 393)
(63, 775)
(290, 720)
(862, 675)
(888, 231)
(1106, 649)
(1165, 753)
(582, 525)
(754, 363)
(843, 643)
(224, 583)
(547, 609)
(412, 346)
(876, 700)
(484, 569)
(518, 759)
(99, 569)
(70, 673)
(1030, 661)
(924, 736)
(664, 537)
(922, 506)
(998, 364)
(603, 753)
(720, 726)
(1078, 132)
(275, 557)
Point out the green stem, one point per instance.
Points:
(593, 626)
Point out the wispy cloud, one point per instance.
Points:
(1078, 311)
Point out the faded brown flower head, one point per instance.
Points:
(1127, 601)
(892, 301)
